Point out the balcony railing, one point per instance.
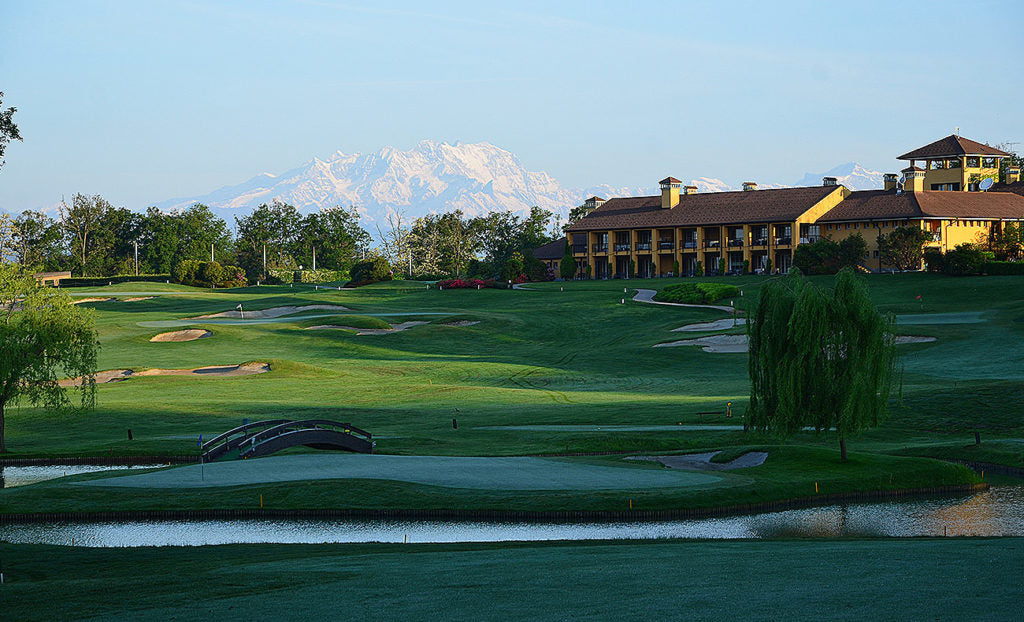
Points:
(735, 243)
(619, 248)
(760, 242)
(600, 248)
(936, 236)
(810, 239)
(666, 246)
(690, 244)
(643, 246)
(579, 249)
(782, 241)
(712, 243)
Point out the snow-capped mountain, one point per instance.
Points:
(434, 177)
(431, 177)
(852, 175)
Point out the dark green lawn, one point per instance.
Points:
(919, 579)
(573, 357)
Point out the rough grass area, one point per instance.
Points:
(697, 293)
(808, 579)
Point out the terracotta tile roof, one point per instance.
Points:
(1016, 188)
(670, 180)
(710, 208)
(951, 145)
(886, 204)
(551, 250)
(595, 198)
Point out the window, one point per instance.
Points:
(973, 161)
(989, 163)
(937, 165)
(856, 225)
(847, 225)
(953, 163)
(876, 254)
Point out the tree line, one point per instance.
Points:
(92, 238)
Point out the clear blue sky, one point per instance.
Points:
(143, 101)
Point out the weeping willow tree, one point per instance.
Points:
(819, 358)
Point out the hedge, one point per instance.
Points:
(1003, 268)
(697, 293)
(121, 278)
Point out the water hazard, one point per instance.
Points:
(12, 476)
(997, 512)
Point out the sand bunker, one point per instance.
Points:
(714, 343)
(461, 323)
(118, 375)
(182, 335)
(738, 343)
(702, 462)
(137, 298)
(708, 326)
(84, 300)
(110, 375)
(263, 314)
(395, 328)
(245, 369)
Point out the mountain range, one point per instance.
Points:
(435, 177)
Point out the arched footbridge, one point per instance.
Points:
(262, 438)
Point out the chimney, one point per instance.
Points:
(749, 185)
(889, 181)
(913, 179)
(829, 181)
(669, 192)
(593, 203)
(689, 189)
(1012, 174)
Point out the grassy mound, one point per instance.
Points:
(697, 293)
(355, 321)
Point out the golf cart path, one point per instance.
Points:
(517, 473)
(647, 295)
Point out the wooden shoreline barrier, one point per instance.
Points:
(490, 515)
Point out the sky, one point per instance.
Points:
(145, 101)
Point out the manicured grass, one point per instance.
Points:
(578, 357)
(784, 579)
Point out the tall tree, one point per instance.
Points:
(81, 220)
(903, 247)
(335, 235)
(820, 359)
(40, 242)
(8, 129)
(43, 337)
(394, 241)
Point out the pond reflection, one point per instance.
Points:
(996, 512)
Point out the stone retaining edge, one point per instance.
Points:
(491, 515)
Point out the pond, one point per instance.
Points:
(996, 512)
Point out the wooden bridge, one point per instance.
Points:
(262, 438)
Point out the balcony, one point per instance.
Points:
(782, 241)
(600, 248)
(936, 236)
(712, 243)
(690, 244)
(623, 248)
(643, 246)
(579, 249)
(666, 246)
(760, 241)
(734, 243)
(810, 239)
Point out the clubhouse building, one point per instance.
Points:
(943, 190)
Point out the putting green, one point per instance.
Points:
(476, 473)
(966, 317)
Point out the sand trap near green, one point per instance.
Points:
(610, 428)
(450, 472)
